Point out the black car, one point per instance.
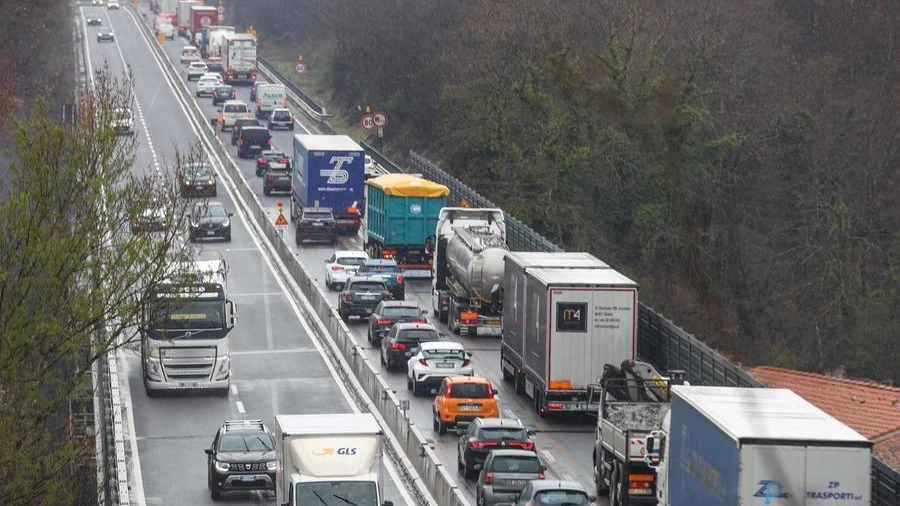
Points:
(239, 124)
(93, 21)
(389, 312)
(316, 224)
(105, 33)
(215, 66)
(253, 140)
(402, 341)
(222, 93)
(277, 180)
(486, 434)
(272, 158)
(242, 457)
(198, 179)
(210, 220)
(360, 296)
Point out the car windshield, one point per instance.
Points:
(211, 211)
(402, 312)
(418, 335)
(223, 90)
(469, 391)
(516, 465)
(235, 108)
(444, 354)
(198, 171)
(382, 268)
(503, 433)
(281, 115)
(368, 286)
(316, 216)
(245, 443)
(561, 498)
(353, 261)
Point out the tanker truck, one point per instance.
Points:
(467, 271)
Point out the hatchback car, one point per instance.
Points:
(554, 493)
(461, 399)
(402, 341)
(253, 140)
(123, 121)
(281, 118)
(277, 179)
(360, 296)
(240, 123)
(390, 312)
(241, 457)
(209, 220)
(434, 362)
(189, 54)
(316, 224)
(195, 70)
(484, 435)
(223, 93)
(230, 111)
(341, 265)
(198, 179)
(105, 33)
(504, 475)
(207, 84)
(272, 159)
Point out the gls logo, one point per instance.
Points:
(337, 175)
(771, 489)
(344, 450)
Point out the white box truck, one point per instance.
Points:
(560, 326)
(329, 460)
(728, 446)
(270, 96)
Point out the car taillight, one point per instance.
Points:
(399, 279)
(541, 476)
(465, 362)
(481, 445)
(523, 446)
(335, 268)
(269, 142)
(348, 297)
(263, 161)
(382, 322)
(253, 77)
(283, 160)
(398, 346)
(489, 478)
(418, 320)
(269, 175)
(241, 141)
(387, 296)
(423, 362)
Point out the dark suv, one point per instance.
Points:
(277, 180)
(360, 296)
(253, 140)
(402, 342)
(486, 434)
(389, 312)
(242, 457)
(239, 124)
(316, 224)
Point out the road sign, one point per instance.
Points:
(380, 119)
(367, 122)
(281, 221)
(300, 67)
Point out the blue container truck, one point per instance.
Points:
(328, 172)
(728, 446)
(401, 216)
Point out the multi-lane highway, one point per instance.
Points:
(277, 366)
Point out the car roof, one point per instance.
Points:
(542, 485)
(381, 261)
(498, 422)
(314, 209)
(253, 128)
(414, 326)
(281, 109)
(371, 279)
(468, 379)
(513, 453)
(443, 345)
(237, 102)
(355, 254)
(401, 303)
(197, 63)
(210, 75)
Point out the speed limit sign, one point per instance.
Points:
(367, 122)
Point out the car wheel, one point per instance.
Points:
(409, 385)
(369, 333)
(266, 191)
(615, 499)
(216, 494)
(198, 93)
(259, 173)
(434, 421)
(228, 237)
(345, 316)
(381, 356)
(291, 127)
(468, 471)
(442, 427)
(215, 192)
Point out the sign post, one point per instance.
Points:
(380, 120)
(281, 222)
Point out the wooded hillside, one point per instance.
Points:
(740, 159)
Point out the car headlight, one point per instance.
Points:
(270, 465)
(222, 467)
(226, 223)
(187, 182)
(210, 181)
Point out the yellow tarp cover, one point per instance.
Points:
(405, 185)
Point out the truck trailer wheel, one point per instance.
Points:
(600, 476)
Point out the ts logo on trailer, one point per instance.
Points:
(337, 175)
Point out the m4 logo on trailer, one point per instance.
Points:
(337, 175)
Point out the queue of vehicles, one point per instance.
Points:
(576, 299)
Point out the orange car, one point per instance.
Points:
(462, 399)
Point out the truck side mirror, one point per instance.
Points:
(208, 451)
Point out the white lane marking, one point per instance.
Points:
(240, 407)
(234, 390)
(274, 352)
(547, 456)
(509, 413)
(255, 294)
(567, 477)
(267, 310)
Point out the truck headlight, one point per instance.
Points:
(151, 365)
(222, 467)
(270, 465)
(224, 368)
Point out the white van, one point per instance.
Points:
(232, 110)
(167, 30)
(268, 98)
(189, 54)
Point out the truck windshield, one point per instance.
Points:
(337, 493)
(197, 314)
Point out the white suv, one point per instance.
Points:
(232, 110)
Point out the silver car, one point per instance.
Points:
(504, 475)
